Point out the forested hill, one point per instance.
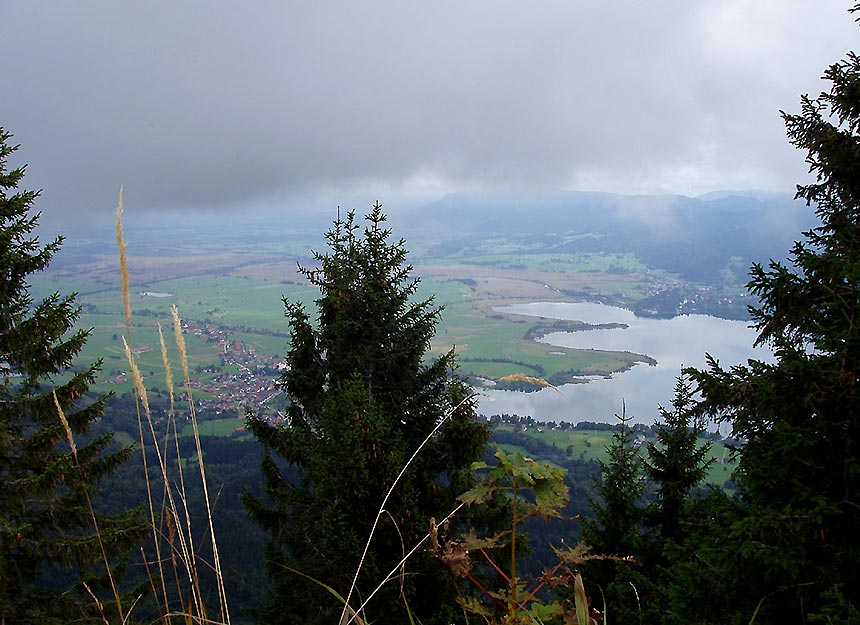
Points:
(698, 238)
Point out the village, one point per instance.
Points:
(244, 381)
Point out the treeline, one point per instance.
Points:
(232, 467)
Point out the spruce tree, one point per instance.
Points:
(51, 557)
(677, 463)
(616, 527)
(363, 396)
(799, 467)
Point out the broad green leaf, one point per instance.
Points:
(479, 494)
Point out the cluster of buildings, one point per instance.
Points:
(243, 381)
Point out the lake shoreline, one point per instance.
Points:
(672, 344)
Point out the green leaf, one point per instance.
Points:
(551, 496)
(479, 494)
(580, 600)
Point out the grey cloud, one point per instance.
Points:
(221, 103)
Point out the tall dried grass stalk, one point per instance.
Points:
(171, 415)
(139, 389)
(169, 516)
(71, 440)
(216, 560)
(186, 543)
(137, 379)
(168, 375)
(140, 393)
(98, 603)
(180, 343)
(174, 511)
(123, 264)
(180, 539)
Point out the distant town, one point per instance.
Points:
(250, 383)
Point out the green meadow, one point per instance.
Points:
(591, 445)
(219, 427)
(492, 344)
(489, 344)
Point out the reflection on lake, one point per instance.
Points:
(677, 342)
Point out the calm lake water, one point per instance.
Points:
(681, 341)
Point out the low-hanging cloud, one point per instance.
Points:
(221, 103)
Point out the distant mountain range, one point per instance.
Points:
(695, 237)
(702, 238)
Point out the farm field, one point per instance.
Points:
(219, 427)
(237, 285)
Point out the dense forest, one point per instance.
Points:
(381, 496)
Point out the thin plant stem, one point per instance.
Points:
(180, 340)
(495, 566)
(186, 546)
(390, 491)
(398, 566)
(74, 448)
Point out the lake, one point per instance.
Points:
(673, 343)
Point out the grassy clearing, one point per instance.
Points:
(496, 369)
(492, 345)
(220, 427)
(524, 260)
(590, 445)
(219, 299)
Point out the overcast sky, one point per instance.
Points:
(279, 104)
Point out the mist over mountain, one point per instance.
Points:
(697, 238)
(712, 238)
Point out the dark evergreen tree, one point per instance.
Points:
(617, 523)
(363, 398)
(49, 548)
(795, 542)
(677, 463)
(708, 577)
